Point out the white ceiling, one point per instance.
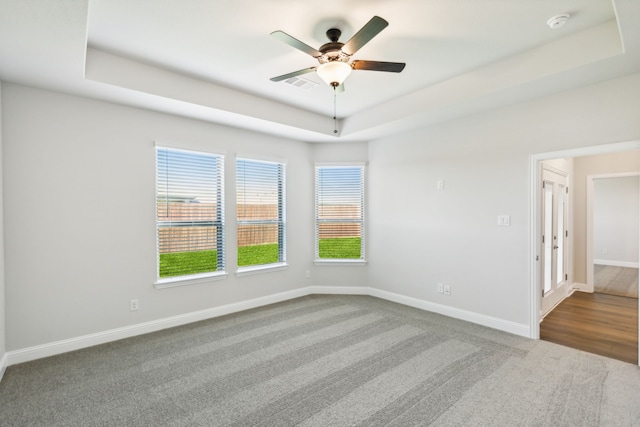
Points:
(212, 59)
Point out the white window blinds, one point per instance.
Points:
(260, 187)
(190, 212)
(340, 212)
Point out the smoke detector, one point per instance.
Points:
(558, 21)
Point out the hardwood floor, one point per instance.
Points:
(598, 323)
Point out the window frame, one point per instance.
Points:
(219, 222)
(281, 221)
(362, 220)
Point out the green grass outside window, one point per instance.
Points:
(257, 255)
(187, 263)
(340, 248)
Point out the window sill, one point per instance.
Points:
(257, 269)
(340, 262)
(173, 282)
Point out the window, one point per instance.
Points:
(260, 188)
(190, 213)
(340, 213)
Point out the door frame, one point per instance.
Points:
(590, 231)
(534, 212)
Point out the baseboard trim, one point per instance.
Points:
(628, 264)
(4, 362)
(456, 313)
(469, 316)
(340, 290)
(579, 286)
(63, 346)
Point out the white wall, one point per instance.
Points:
(79, 208)
(421, 235)
(3, 347)
(615, 220)
(80, 225)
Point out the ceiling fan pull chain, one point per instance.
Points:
(335, 120)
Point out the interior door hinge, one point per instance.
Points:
(543, 238)
(566, 277)
(567, 188)
(566, 233)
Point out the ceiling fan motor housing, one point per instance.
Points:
(332, 51)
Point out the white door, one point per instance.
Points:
(553, 241)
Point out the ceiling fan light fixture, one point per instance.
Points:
(334, 73)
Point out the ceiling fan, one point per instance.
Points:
(335, 57)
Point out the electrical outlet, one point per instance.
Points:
(447, 290)
(134, 305)
(440, 288)
(307, 274)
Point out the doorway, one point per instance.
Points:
(607, 158)
(613, 249)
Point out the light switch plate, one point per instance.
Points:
(504, 220)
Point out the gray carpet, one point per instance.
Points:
(324, 361)
(621, 281)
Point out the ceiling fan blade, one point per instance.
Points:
(294, 42)
(366, 33)
(293, 74)
(392, 67)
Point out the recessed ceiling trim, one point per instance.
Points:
(597, 43)
(123, 72)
